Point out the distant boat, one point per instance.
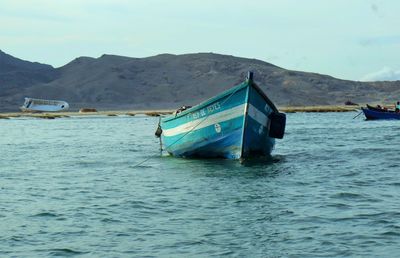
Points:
(43, 105)
(239, 123)
(350, 103)
(374, 113)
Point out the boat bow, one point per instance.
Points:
(237, 123)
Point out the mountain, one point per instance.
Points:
(17, 75)
(168, 81)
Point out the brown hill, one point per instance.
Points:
(168, 81)
(16, 75)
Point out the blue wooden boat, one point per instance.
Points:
(374, 113)
(239, 123)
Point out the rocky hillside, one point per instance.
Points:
(168, 81)
(17, 75)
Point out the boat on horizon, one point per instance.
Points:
(239, 123)
(43, 105)
(378, 112)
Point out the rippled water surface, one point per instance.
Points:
(71, 187)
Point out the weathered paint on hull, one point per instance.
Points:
(224, 146)
(232, 125)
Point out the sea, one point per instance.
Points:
(99, 186)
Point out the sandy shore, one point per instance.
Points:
(166, 111)
(319, 109)
(76, 113)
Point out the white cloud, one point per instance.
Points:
(384, 74)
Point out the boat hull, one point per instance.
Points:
(376, 115)
(232, 125)
(256, 140)
(43, 105)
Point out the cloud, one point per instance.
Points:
(384, 74)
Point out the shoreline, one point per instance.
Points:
(158, 112)
(52, 115)
(320, 109)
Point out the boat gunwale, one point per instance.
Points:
(376, 109)
(222, 95)
(206, 102)
(261, 92)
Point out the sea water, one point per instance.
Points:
(73, 186)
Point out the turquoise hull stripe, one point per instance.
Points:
(206, 109)
(208, 133)
(225, 146)
(219, 97)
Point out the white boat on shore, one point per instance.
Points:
(43, 105)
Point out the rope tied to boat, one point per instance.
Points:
(159, 129)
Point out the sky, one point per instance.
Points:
(347, 39)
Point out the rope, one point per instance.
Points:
(358, 114)
(180, 138)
